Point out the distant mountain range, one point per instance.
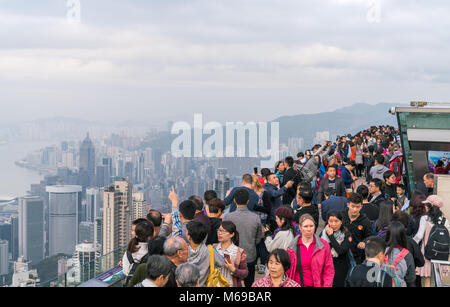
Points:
(345, 120)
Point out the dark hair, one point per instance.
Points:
(355, 198)
(265, 172)
(304, 185)
(396, 236)
(379, 158)
(247, 178)
(434, 213)
(277, 165)
(198, 202)
(418, 208)
(208, 195)
(288, 224)
(282, 257)
(241, 197)
(401, 186)
(378, 183)
(158, 265)
(187, 208)
(289, 161)
(330, 191)
(306, 195)
(143, 230)
(230, 227)
(339, 216)
(385, 214)
(197, 231)
(374, 246)
(135, 222)
(401, 217)
(300, 154)
(387, 174)
(155, 217)
(156, 245)
(215, 205)
(363, 191)
(371, 148)
(335, 166)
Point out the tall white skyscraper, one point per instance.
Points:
(64, 218)
(295, 145)
(31, 229)
(321, 137)
(139, 206)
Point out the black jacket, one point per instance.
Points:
(312, 210)
(290, 193)
(371, 211)
(415, 251)
(366, 274)
(340, 188)
(360, 230)
(377, 201)
(215, 224)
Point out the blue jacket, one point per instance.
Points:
(346, 176)
(275, 197)
(333, 203)
(252, 200)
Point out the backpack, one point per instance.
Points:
(438, 244)
(134, 266)
(392, 269)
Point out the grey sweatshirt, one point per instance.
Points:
(377, 171)
(200, 258)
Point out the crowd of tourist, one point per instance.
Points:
(339, 215)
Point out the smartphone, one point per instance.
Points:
(227, 258)
(255, 170)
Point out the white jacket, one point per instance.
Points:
(281, 240)
(137, 256)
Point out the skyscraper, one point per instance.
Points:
(31, 228)
(117, 213)
(222, 183)
(4, 257)
(83, 260)
(86, 232)
(139, 206)
(64, 218)
(87, 160)
(93, 204)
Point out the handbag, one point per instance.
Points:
(215, 278)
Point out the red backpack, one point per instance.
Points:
(392, 269)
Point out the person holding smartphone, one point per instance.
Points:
(235, 268)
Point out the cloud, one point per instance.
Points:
(322, 52)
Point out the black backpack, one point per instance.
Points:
(438, 245)
(134, 266)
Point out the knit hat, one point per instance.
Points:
(285, 212)
(434, 200)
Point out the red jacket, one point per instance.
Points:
(321, 263)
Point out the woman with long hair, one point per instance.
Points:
(417, 207)
(398, 258)
(137, 249)
(284, 218)
(381, 225)
(434, 215)
(235, 268)
(263, 209)
(340, 241)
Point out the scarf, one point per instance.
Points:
(338, 235)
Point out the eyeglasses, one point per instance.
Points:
(221, 231)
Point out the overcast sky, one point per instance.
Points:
(229, 59)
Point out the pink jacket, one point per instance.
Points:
(321, 263)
